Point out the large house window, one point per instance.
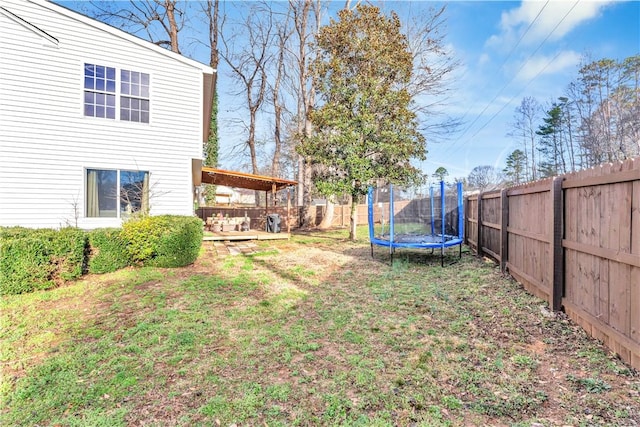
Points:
(99, 91)
(101, 95)
(134, 98)
(113, 193)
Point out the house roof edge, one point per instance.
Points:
(206, 69)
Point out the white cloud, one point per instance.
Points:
(566, 15)
(543, 65)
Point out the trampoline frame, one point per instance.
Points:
(438, 240)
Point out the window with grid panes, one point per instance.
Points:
(134, 96)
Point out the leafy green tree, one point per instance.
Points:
(364, 129)
(516, 168)
(441, 173)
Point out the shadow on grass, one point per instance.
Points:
(335, 234)
(431, 257)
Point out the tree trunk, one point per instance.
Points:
(173, 26)
(301, 183)
(213, 10)
(354, 219)
(327, 219)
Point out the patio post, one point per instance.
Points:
(288, 208)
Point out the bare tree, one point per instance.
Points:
(606, 98)
(212, 11)
(631, 102)
(567, 119)
(160, 20)
(484, 178)
(283, 32)
(524, 129)
(433, 65)
(248, 62)
(306, 23)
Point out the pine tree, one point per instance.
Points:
(550, 143)
(516, 166)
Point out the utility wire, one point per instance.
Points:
(500, 69)
(514, 96)
(514, 76)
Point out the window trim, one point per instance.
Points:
(140, 98)
(119, 95)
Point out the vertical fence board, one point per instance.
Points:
(634, 309)
(634, 292)
(601, 285)
(530, 231)
(556, 257)
(504, 236)
(479, 236)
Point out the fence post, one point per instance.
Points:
(479, 238)
(556, 241)
(504, 223)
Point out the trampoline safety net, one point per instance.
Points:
(416, 218)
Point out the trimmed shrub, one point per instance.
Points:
(108, 250)
(25, 265)
(142, 235)
(33, 259)
(163, 241)
(7, 233)
(181, 245)
(68, 253)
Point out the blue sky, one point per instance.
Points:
(498, 72)
(507, 50)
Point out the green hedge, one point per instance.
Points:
(180, 245)
(69, 253)
(40, 259)
(32, 259)
(163, 241)
(24, 265)
(108, 250)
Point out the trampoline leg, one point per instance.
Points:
(372, 250)
(442, 256)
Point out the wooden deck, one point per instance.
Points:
(244, 235)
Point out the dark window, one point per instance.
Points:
(99, 91)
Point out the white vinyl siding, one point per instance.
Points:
(47, 142)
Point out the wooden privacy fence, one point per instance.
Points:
(573, 241)
(341, 214)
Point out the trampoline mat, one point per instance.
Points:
(418, 238)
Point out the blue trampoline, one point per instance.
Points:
(401, 219)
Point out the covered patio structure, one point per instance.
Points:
(254, 182)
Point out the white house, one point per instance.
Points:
(94, 123)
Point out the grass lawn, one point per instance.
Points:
(311, 331)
